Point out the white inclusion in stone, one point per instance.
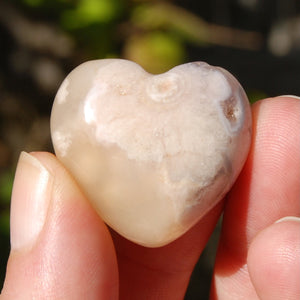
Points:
(62, 142)
(63, 92)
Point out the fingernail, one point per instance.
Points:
(290, 96)
(288, 218)
(30, 200)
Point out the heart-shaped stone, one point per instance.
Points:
(153, 153)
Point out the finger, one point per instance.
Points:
(267, 190)
(274, 261)
(162, 273)
(60, 249)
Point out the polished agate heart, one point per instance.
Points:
(153, 153)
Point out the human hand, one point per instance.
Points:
(61, 249)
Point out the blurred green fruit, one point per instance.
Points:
(156, 52)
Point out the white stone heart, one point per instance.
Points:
(153, 153)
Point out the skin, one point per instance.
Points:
(256, 259)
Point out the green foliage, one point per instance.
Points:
(156, 51)
(6, 183)
(4, 222)
(88, 12)
(33, 3)
(162, 15)
(255, 95)
(149, 34)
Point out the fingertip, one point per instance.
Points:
(274, 260)
(30, 201)
(297, 98)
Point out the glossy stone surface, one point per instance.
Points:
(153, 153)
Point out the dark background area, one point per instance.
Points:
(42, 40)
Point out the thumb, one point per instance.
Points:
(60, 248)
(274, 260)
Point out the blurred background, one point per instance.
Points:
(42, 40)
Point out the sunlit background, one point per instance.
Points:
(42, 40)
